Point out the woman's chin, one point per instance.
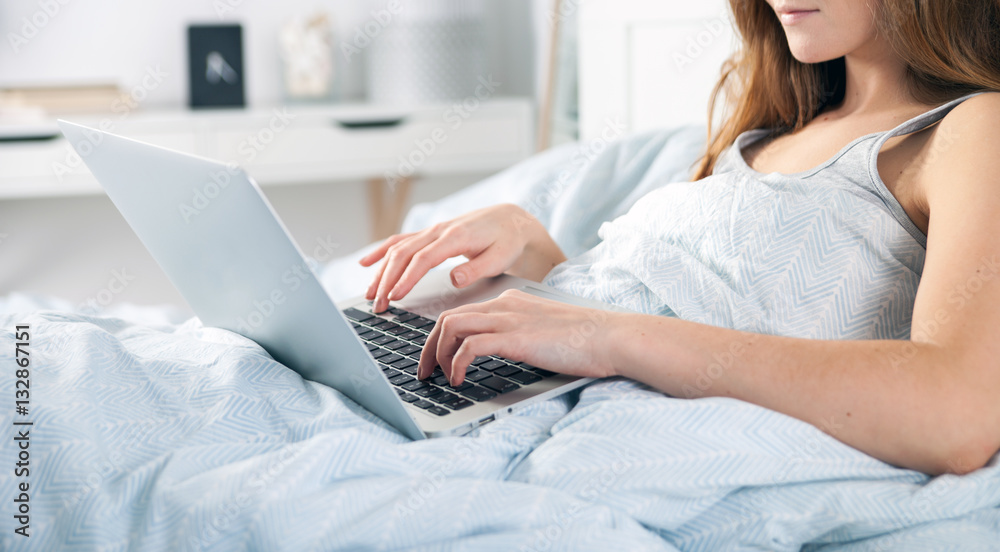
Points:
(809, 56)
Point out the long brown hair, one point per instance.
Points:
(950, 47)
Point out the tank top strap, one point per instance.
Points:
(875, 183)
(920, 122)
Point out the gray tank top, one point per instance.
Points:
(827, 253)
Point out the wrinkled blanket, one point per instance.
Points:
(154, 433)
(180, 437)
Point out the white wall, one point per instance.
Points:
(68, 247)
(116, 41)
(650, 63)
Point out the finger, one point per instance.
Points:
(398, 258)
(483, 344)
(455, 329)
(393, 240)
(379, 252)
(428, 358)
(491, 262)
(373, 287)
(422, 262)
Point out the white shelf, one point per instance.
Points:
(295, 144)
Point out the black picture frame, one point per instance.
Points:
(215, 65)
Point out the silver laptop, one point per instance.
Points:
(219, 241)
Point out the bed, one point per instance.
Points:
(152, 432)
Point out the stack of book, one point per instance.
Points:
(57, 100)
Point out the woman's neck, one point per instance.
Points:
(876, 83)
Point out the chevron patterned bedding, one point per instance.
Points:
(179, 437)
(151, 432)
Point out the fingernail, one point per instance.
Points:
(459, 278)
(393, 295)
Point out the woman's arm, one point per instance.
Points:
(913, 404)
(931, 403)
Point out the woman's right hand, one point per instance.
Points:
(498, 239)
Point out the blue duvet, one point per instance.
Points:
(172, 436)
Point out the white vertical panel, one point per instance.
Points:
(652, 63)
(604, 74)
(674, 69)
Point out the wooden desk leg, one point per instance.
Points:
(387, 205)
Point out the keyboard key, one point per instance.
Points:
(411, 335)
(383, 324)
(409, 350)
(403, 364)
(420, 341)
(409, 398)
(481, 360)
(458, 403)
(544, 373)
(479, 394)
(491, 365)
(355, 325)
(371, 346)
(423, 404)
(499, 385)
(406, 317)
(421, 322)
(477, 376)
(369, 334)
(389, 372)
(395, 329)
(428, 392)
(393, 345)
(507, 371)
(401, 379)
(389, 359)
(438, 410)
(440, 380)
(358, 316)
(462, 387)
(397, 311)
(444, 397)
(379, 353)
(526, 378)
(383, 339)
(415, 385)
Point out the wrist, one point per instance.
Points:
(619, 343)
(540, 253)
(643, 347)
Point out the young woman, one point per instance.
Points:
(844, 231)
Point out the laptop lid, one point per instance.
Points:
(215, 235)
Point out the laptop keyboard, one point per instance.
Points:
(396, 338)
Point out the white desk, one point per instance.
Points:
(298, 144)
(60, 235)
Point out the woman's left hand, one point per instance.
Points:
(521, 327)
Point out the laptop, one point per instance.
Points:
(219, 241)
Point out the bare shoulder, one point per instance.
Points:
(968, 139)
(975, 123)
